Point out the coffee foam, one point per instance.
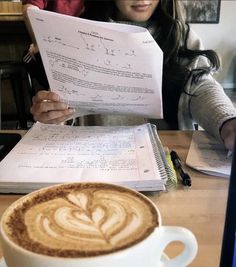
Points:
(81, 220)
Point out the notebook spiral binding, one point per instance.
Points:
(159, 153)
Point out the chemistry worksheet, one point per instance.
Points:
(100, 67)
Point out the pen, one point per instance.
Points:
(186, 179)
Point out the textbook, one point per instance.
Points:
(100, 67)
(209, 156)
(50, 154)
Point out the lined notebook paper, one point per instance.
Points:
(50, 154)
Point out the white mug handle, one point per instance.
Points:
(183, 235)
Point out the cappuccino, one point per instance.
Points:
(80, 220)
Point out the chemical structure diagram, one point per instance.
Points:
(57, 40)
(98, 46)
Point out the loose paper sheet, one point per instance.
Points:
(100, 67)
(207, 155)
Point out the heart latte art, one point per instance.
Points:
(81, 220)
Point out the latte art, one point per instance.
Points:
(102, 219)
(82, 220)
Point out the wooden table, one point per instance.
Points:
(200, 208)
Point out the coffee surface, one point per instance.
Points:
(81, 220)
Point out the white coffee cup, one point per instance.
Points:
(145, 253)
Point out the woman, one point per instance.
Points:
(190, 93)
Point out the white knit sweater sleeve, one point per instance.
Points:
(206, 102)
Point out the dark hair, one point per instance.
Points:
(171, 34)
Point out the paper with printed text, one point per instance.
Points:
(100, 67)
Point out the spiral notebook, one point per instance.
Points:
(49, 154)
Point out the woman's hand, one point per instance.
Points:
(47, 108)
(228, 133)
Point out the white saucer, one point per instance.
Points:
(3, 263)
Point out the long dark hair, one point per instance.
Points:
(171, 34)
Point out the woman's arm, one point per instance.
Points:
(206, 102)
(213, 110)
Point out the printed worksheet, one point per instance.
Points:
(100, 67)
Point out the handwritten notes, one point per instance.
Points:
(100, 67)
(50, 154)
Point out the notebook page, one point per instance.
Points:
(56, 153)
